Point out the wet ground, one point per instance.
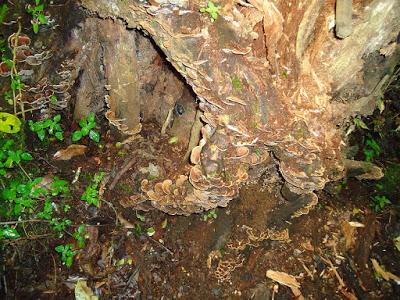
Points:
(223, 254)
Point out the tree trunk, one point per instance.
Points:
(274, 83)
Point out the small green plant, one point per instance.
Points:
(360, 123)
(51, 126)
(67, 253)
(212, 10)
(371, 149)
(3, 12)
(91, 194)
(236, 83)
(379, 202)
(138, 230)
(9, 156)
(8, 232)
(211, 214)
(87, 125)
(80, 236)
(151, 231)
(38, 17)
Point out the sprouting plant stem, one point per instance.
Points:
(14, 72)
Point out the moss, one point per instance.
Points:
(237, 85)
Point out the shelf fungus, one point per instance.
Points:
(262, 76)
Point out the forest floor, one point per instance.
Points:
(65, 233)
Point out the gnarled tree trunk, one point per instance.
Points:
(275, 85)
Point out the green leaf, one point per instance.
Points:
(47, 123)
(60, 248)
(85, 131)
(42, 19)
(57, 118)
(76, 136)
(41, 134)
(151, 231)
(53, 99)
(59, 135)
(91, 117)
(360, 123)
(9, 233)
(39, 8)
(69, 261)
(140, 217)
(9, 123)
(95, 136)
(35, 27)
(83, 123)
(3, 12)
(26, 156)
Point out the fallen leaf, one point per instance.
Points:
(83, 292)
(287, 280)
(125, 222)
(385, 274)
(356, 224)
(70, 152)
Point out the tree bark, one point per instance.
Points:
(275, 85)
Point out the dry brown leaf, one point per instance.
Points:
(385, 274)
(349, 235)
(70, 152)
(125, 222)
(287, 280)
(356, 224)
(283, 278)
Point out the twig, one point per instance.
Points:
(167, 121)
(14, 71)
(122, 172)
(23, 170)
(333, 268)
(24, 221)
(115, 211)
(55, 272)
(161, 245)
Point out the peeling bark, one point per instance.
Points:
(262, 91)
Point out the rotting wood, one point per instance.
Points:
(292, 84)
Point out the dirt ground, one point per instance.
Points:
(329, 253)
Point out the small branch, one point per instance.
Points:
(161, 245)
(167, 121)
(24, 221)
(23, 170)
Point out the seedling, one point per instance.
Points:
(9, 156)
(80, 236)
(379, 203)
(87, 125)
(51, 126)
(212, 10)
(360, 123)
(91, 194)
(211, 214)
(67, 253)
(371, 149)
(20, 197)
(151, 231)
(60, 225)
(38, 17)
(8, 232)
